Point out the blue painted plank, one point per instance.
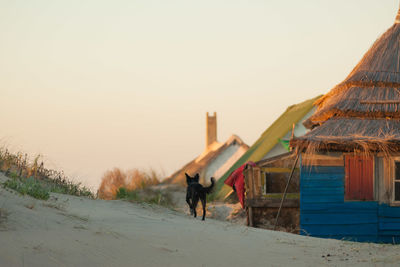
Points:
(389, 233)
(323, 190)
(339, 219)
(322, 184)
(322, 176)
(389, 226)
(389, 220)
(351, 206)
(388, 211)
(343, 230)
(321, 199)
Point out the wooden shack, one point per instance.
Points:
(265, 184)
(350, 160)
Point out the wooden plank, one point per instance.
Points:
(306, 170)
(306, 157)
(280, 195)
(322, 176)
(322, 160)
(337, 182)
(257, 182)
(247, 179)
(345, 207)
(251, 218)
(318, 199)
(390, 226)
(279, 170)
(272, 203)
(322, 190)
(339, 219)
(387, 211)
(389, 233)
(344, 230)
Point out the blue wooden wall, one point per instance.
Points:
(324, 213)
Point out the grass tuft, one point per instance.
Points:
(34, 179)
(29, 187)
(147, 195)
(132, 180)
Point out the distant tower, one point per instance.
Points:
(211, 129)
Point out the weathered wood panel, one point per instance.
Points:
(248, 177)
(257, 185)
(322, 160)
(272, 203)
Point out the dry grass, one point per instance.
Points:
(363, 112)
(353, 135)
(25, 172)
(131, 180)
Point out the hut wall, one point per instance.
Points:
(265, 184)
(325, 213)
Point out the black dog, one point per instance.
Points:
(196, 191)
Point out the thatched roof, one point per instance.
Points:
(364, 108)
(347, 134)
(200, 164)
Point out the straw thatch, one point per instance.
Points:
(201, 163)
(362, 112)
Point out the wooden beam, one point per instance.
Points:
(322, 160)
(278, 170)
(251, 222)
(272, 203)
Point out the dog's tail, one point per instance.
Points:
(208, 189)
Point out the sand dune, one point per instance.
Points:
(73, 231)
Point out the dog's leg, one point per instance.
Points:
(203, 203)
(195, 201)
(190, 204)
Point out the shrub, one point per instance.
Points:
(146, 195)
(114, 180)
(18, 167)
(28, 186)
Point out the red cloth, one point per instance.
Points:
(237, 179)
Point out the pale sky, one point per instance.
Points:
(93, 85)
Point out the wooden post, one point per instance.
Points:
(286, 188)
(249, 193)
(251, 222)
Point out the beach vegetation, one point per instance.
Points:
(34, 179)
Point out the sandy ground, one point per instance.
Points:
(73, 231)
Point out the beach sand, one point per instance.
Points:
(74, 231)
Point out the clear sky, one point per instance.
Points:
(93, 85)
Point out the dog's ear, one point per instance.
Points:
(188, 178)
(196, 178)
